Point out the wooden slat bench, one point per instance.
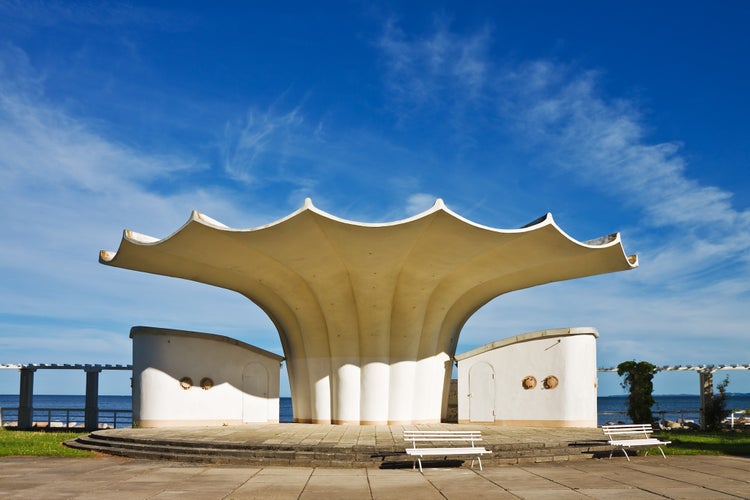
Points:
(632, 436)
(429, 438)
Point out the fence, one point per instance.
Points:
(68, 417)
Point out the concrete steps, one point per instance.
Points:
(388, 455)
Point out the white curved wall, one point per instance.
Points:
(567, 354)
(245, 379)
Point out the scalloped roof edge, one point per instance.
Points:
(106, 256)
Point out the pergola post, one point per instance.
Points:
(26, 399)
(92, 399)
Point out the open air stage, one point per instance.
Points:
(335, 445)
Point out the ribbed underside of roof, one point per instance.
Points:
(369, 314)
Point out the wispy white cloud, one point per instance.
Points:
(604, 145)
(562, 114)
(419, 202)
(262, 143)
(45, 146)
(432, 68)
(693, 242)
(589, 135)
(67, 191)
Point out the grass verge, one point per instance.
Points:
(38, 444)
(706, 443)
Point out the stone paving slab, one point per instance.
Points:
(685, 477)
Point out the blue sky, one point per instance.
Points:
(613, 116)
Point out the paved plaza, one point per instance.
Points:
(688, 477)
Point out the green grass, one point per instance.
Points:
(38, 444)
(706, 443)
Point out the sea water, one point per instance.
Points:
(611, 408)
(667, 407)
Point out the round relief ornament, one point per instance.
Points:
(529, 382)
(551, 382)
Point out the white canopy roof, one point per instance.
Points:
(345, 293)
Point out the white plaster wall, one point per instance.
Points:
(570, 358)
(161, 357)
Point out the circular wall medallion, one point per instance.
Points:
(551, 382)
(206, 383)
(186, 383)
(528, 382)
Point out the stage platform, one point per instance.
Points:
(335, 445)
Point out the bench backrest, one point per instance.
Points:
(632, 430)
(442, 436)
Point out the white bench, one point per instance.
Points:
(431, 437)
(632, 436)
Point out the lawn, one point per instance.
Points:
(706, 443)
(38, 444)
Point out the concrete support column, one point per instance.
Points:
(92, 399)
(26, 399)
(347, 393)
(322, 402)
(403, 384)
(374, 401)
(707, 391)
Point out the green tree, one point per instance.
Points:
(639, 379)
(716, 407)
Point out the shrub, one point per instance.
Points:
(639, 379)
(715, 410)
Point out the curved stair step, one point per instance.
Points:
(318, 455)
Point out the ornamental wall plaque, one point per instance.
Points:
(528, 382)
(551, 382)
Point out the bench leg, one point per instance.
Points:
(478, 459)
(420, 465)
(662, 452)
(626, 453)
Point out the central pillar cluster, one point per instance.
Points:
(369, 314)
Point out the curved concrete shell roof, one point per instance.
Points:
(365, 309)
